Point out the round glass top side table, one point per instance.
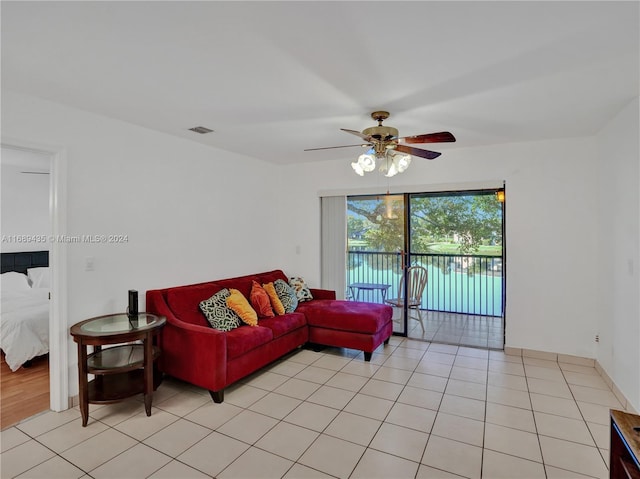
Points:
(124, 368)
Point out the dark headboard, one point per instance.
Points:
(21, 261)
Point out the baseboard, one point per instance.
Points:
(568, 359)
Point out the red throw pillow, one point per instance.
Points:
(260, 301)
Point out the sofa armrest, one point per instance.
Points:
(322, 293)
(193, 353)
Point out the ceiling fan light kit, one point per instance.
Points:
(386, 146)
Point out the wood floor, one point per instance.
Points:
(23, 393)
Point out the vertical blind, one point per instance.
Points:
(334, 244)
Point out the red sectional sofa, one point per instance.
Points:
(195, 352)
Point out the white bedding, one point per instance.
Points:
(24, 325)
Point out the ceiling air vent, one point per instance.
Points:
(200, 129)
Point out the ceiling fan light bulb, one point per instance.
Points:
(402, 162)
(357, 168)
(367, 162)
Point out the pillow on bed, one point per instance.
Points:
(39, 277)
(14, 281)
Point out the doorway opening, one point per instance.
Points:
(455, 239)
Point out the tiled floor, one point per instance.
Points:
(453, 328)
(418, 410)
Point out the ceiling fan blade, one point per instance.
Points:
(441, 137)
(366, 138)
(332, 147)
(429, 155)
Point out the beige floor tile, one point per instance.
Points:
(400, 362)
(12, 437)
(112, 414)
(408, 353)
(176, 469)
(557, 473)
(452, 456)
(509, 381)
(474, 363)
(315, 374)
(439, 357)
(509, 416)
(177, 437)
(595, 396)
(426, 381)
(443, 348)
(361, 368)
(565, 428)
(512, 441)
(466, 389)
(298, 471)
(420, 397)
(23, 457)
(375, 408)
(601, 435)
(344, 456)
(376, 464)
(70, 434)
(46, 421)
(183, 403)
(549, 388)
(248, 426)
(334, 363)
(142, 426)
(555, 405)
(427, 472)
(54, 468)
(588, 380)
(393, 375)
(496, 465)
(577, 368)
(287, 440)
(350, 382)
(400, 441)
(460, 406)
(596, 413)
(275, 405)
(140, 461)
(434, 369)
(305, 356)
(545, 363)
(412, 417)
(505, 367)
(573, 457)
(98, 449)
(382, 389)
(331, 397)
(473, 352)
(508, 397)
(213, 415)
(459, 428)
(353, 428)
(286, 368)
(266, 380)
(312, 416)
(297, 388)
(540, 372)
(241, 395)
(201, 456)
(502, 356)
(256, 463)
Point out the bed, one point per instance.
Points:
(24, 313)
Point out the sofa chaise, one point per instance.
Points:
(195, 352)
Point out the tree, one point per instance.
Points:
(467, 220)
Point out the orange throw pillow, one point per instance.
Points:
(260, 301)
(273, 296)
(239, 304)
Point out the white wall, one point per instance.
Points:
(191, 213)
(619, 247)
(550, 222)
(25, 202)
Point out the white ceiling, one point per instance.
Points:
(274, 78)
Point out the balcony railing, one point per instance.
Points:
(457, 283)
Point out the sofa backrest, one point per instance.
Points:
(184, 301)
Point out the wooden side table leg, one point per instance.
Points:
(83, 383)
(148, 373)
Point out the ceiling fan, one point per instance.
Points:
(386, 145)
